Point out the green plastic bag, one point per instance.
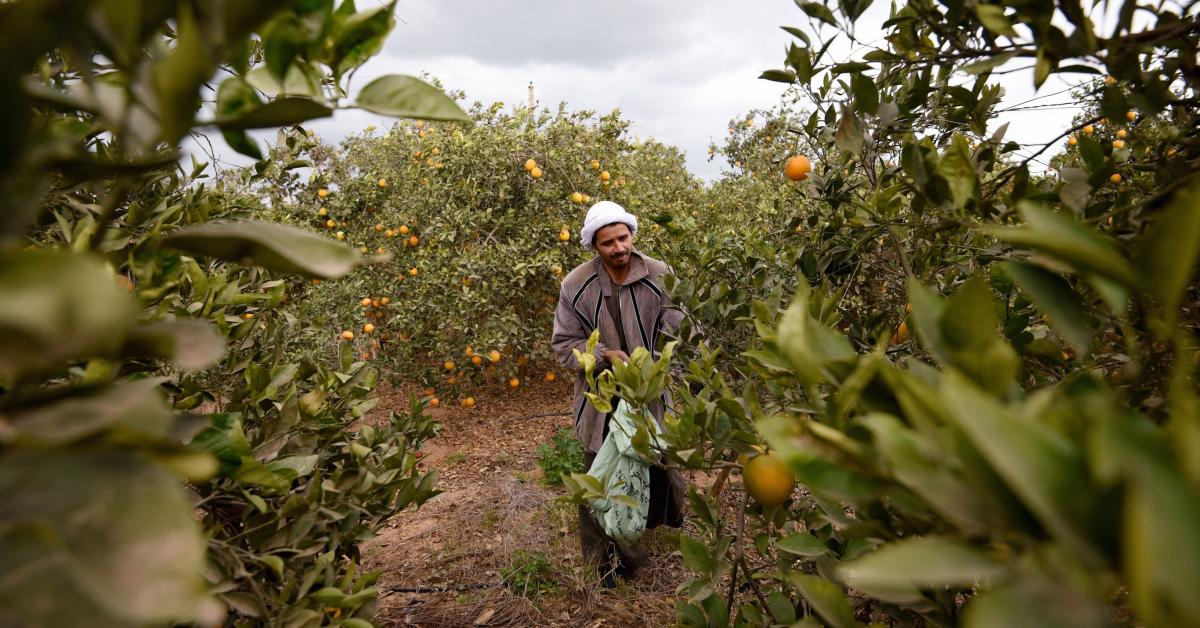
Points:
(622, 471)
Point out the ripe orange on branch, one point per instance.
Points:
(797, 168)
(768, 479)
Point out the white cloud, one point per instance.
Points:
(678, 69)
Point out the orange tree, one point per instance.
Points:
(161, 460)
(1021, 446)
(480, 222)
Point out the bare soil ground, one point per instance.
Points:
(496, 548)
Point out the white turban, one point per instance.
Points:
(601, 215)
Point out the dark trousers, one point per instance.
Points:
(667, 495)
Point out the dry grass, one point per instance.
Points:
(444, 565)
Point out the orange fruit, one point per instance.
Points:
(368, 328)
(494, 355)
(576, 197)
(366, 302)
(385, 300)
(514, 382)
(907, 308)
(378, 227)
(530, 164)
(322, 192)
(329, 224)
(1115, 178)
(604, 175)
(449, 364)
(587, 199)
(341, 235)
(433, 403)
(536, 172)
(595, 164)
(1089, 129)
(768, 479)
(1118, 144)
(324, 211)
(468, 351)
(413, 271)
(564, 236)
(413, 241)
(1071, 141)
(452, 380)
(403, 229)
(389, 233)
(549, 377)
(1121, 133)
(347, 335)
(383, 183)
(1130, 115)
(476, 360)
(469, 402)
(902, 332)
(797, 168)
(247, 316)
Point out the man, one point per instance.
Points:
(620, 293)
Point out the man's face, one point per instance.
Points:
(613, 243)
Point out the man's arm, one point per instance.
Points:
(570, 334)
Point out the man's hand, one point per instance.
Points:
(612, 355)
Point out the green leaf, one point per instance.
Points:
(282, 112)
(818, 11)
(1034, 602)
(802, 544)
(360, 37)
(993, 18)
(408, 97)
(849, 135)
(695, 555)
(278, 247)
(922, 466)
(1161, 540)
(1166, 256)
(988, 64)
(178, 77)
(1044, 469)
(921, 563)
(1061, 237)
(59, 306)
(108, 531)
(826, 598)
(131, 409)
(189, 343)
(1054, 296)
(779, 76)
(866, 93)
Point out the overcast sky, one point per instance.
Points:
(679, 70)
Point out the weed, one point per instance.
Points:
(563, 455)
(456, 458)
(528, 575)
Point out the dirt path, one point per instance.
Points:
(495, 548)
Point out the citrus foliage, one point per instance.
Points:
(990, 402)
(139, 485)
(478, 244)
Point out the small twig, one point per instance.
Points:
(445, 589)
(543, 415)
(737, 551)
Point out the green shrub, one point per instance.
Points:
(563, 455)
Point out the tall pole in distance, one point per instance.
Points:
(531, 102)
